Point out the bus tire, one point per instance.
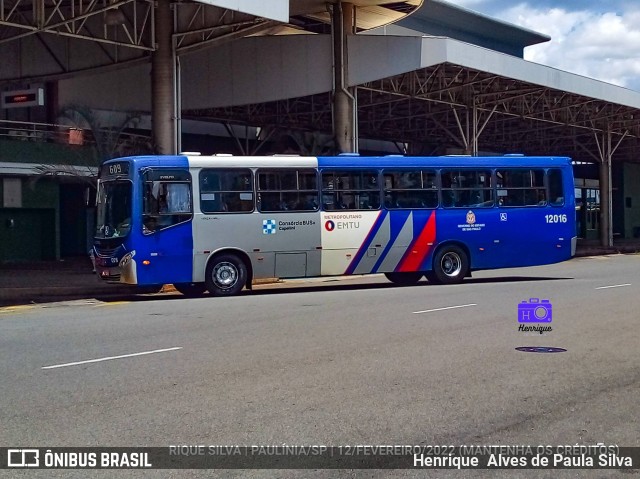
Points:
(450, 265)
(404, 279)
(226, 275)
(190, 290)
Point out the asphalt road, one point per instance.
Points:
(337, 362)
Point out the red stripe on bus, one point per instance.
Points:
(419, 249)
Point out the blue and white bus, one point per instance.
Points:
(218, 223)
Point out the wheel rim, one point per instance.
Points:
(225, 275)
(451, 264)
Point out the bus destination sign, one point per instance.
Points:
(114, 170)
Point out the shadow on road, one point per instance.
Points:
(330, 285)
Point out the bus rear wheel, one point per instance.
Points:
(190, 290)
(404, 279)
(450, 265)
(226, 275)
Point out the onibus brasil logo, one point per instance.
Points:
(535, 311)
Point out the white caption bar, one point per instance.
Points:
(442, 309)
(111, 357)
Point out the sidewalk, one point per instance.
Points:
(593, 247)
(45, 281)
(72, 278)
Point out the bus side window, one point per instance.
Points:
(226, 190)
(287, 189)
(448, 199)
(167, 199)
(350, 190)
(178, 198)
(556, 194)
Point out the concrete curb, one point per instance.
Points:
(606, 251)
(37, 293)
(34, 293)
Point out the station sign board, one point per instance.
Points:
(23, 98)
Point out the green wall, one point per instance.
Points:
(31, 233)
(631, 193)
(39, 230)
(28, 234)
(46, 153)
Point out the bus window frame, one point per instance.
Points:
(298, 191)
(522, 188)
(421, 170)
(334, 171)
(491, 189)
(548, 186)
(156, 217)
(251, 190)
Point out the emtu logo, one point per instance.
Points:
(23, 458)
(330, 225)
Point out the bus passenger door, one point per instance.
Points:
(167, 228)
(170, 255)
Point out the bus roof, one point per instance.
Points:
(442, 161)
(349, 161)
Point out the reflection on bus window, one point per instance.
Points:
(410, 189)
(521, 187)
(467, 188)
(225, 190)
(556, 196)
(165, 202)
(287, 189)
(350, 190)
(114, 209)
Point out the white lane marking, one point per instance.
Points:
(111, 357)
(442, 309)
(614, 286)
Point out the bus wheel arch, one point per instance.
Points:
(451, 263)
(227, 272)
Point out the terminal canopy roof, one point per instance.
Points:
(48, 39)
(439, 94)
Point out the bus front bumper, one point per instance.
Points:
(125, 272)
(110, 275)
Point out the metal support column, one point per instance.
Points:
(163, 81)
(344, 101)
(606, 233)
(474, 129)
(606, 150)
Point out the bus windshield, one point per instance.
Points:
(114, 209)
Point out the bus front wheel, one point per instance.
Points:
(190, 290)
(450, 265)
(404, 279)
(226, 275)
